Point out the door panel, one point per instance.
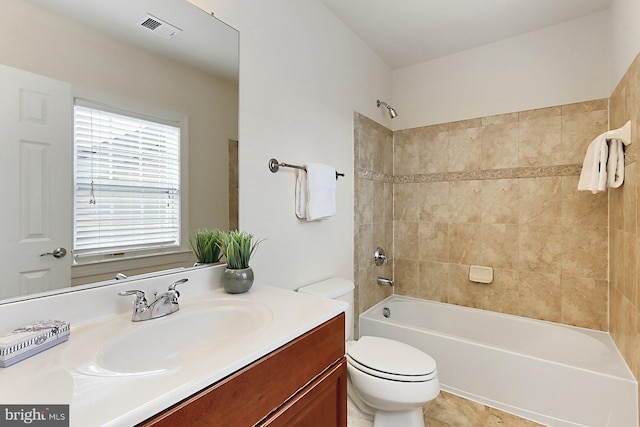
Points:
(37, 169)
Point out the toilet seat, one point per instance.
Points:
(390, 360)
(389, 376)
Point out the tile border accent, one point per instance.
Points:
(483, 174)
(374, 176)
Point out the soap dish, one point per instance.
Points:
(24, 342)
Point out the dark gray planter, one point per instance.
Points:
(237, 281)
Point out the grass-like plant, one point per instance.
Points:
(238, 247)
(207, 245)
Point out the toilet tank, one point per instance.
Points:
(337, 289)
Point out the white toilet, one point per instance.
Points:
(388, 380)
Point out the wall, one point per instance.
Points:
(498, 191)
(502, 191)
(557, 65)
(624, 233)
(373, 155)
(302, 74)
(625, 37)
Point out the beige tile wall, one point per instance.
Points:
(373, 209)
(498, 191)
(624, 234)
(501, 191)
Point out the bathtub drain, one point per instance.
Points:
(386, 312)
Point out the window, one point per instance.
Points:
(127, 183)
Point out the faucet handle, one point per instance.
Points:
(139, 295)
(379, 257)
(172, 287)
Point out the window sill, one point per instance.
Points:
(107, 266)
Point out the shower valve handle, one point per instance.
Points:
(379, 257)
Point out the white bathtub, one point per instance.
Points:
(550, 373)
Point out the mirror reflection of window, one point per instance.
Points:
(127, 183)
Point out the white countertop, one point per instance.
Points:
(64, 374)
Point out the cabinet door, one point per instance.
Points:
(261, 389)
(323, 403)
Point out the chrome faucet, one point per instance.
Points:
(164, 304)
(383, 281)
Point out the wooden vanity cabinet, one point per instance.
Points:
(303, 383)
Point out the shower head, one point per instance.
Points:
(392, 112)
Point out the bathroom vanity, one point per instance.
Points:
(267, 357)
(302, 383)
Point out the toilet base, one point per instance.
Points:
(356, 417)
(410, 418)
(361, 413)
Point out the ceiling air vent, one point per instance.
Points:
(159, 27)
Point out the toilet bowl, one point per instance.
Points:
(389, 380)
(359, 414)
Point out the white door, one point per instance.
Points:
(36, 168)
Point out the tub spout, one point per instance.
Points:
(383, 281)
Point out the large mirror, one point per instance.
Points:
(157, 58)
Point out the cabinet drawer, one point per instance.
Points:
(323, 403)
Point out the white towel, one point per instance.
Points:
(615, 164)
(301, 194)
(594, 168)
(321, 191)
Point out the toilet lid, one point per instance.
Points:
(385, 356)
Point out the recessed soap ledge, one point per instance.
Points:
(90, 369)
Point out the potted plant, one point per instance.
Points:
(206, 245)
(238, 247)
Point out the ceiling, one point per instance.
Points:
(205, 42)
(408, 32)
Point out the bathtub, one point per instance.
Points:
(546, 372)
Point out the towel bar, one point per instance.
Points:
(274, 166)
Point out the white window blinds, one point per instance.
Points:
(127, 182)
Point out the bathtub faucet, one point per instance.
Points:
(383, 281)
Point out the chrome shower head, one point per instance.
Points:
(392, 112)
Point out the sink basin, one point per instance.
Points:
(159, 345)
